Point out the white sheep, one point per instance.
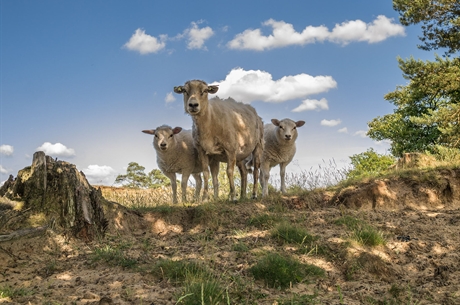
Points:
(176, 154)
(280, 148)
(225, 131)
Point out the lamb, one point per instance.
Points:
(280, 148)
(176, 154)
(224, 131)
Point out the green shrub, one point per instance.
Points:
(369, 163)
(280, 272)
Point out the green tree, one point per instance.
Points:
(369, 163)
(135, 177)
(427, 109)
(440, 22)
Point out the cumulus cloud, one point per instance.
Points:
(97, 174)
(343, 130)
(312, 105)
(3, 170)
(144, 43)
(56, 150)
(283, 34)
(330, 123)
(170, 97)
(6, 150)
(197, 36)
(361, 133)
(256, 85)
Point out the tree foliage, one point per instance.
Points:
(369, 163)
(440, 22)
(427, 109)
(135, 177)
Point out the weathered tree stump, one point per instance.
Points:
(62, 193)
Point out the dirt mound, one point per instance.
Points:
(418, 212)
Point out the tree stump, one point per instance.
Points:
(62, 193)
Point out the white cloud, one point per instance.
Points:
(197, 36)
(343, 130)
(330, 123)
(56, 150)
(170, 98)
(144, 43)
(312, 105)
(6, 150)
(361, 133)
(97, 174)
(3, 170)
(357, 30)
(283, 34)
(256, 85)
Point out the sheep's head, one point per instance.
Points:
(163, 136)
(287, 129)
(195, 95)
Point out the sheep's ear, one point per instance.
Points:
(299, 123)
(176, 130)
(276, 122)
(179, 89)
(149, 131)
(213, 89)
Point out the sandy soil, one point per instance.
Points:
(420, 263)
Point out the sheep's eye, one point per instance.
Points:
(171, 135)
(156, 136)
(294, 128)
(281, 127)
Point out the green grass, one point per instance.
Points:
(179, 271)
(113, 256)
(361, 232)
(12, 292)
(264, 221)
(206, 292)
(279, 271)
(293, 234)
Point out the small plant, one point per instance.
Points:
(280, 272)
(113, 256)
(207, 292)
(362, 232)
(10, 292)
(293, 234)
(240, 247)
(264, 221)
(179, 271)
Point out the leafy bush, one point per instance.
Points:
(369, 163)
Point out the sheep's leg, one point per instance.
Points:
(244, 178)
(265, 170)
(214, 167)
(198, 184)
(205, 167)
(230, 168)
(283, 176)
(256, 156)
(183, 185)
(172, 178)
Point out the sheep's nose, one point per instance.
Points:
(163, 145)
(193, 105)
(288, 136)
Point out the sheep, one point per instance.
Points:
(223, 130)
(176, 154)
(280, 148)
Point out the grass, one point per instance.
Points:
(281, 272)
(13, 292)
(113, 256)
(361, 232)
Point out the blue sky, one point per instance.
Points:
(81, 79)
